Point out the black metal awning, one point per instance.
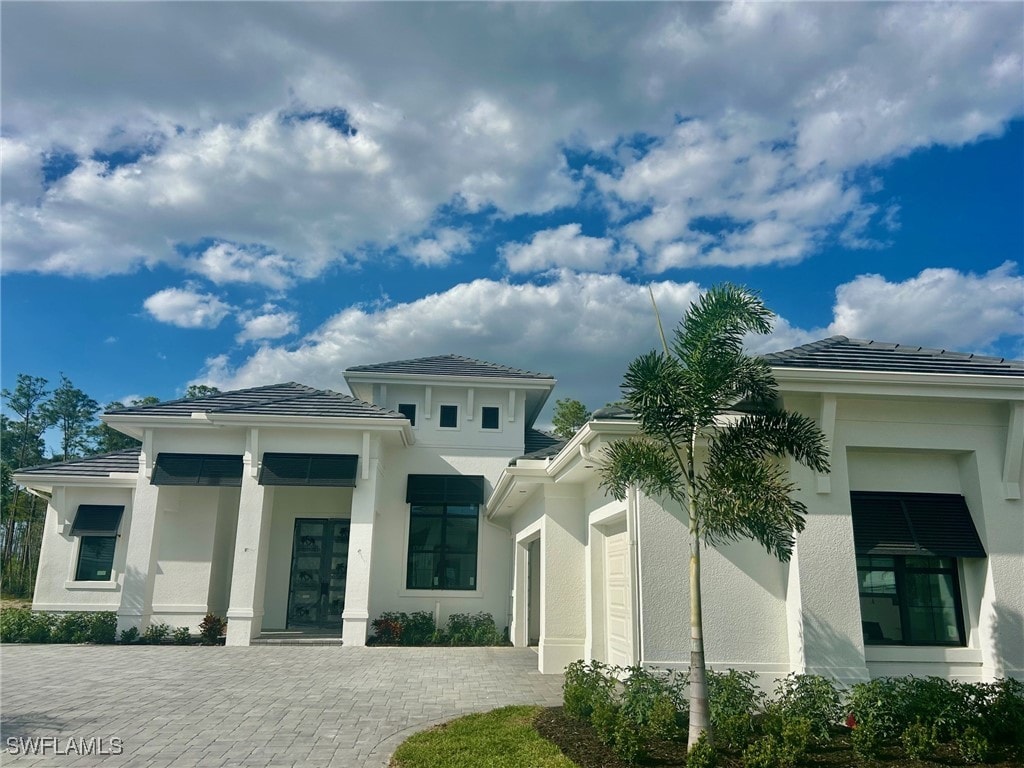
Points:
(445, 489)
(97, 520)
(314, 469)
(937, 524)
(207, 469)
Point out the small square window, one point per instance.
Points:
(409, 411)
(449, 417)
(489, 417)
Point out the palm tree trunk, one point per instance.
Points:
(700, 721)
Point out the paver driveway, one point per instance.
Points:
(258, 706)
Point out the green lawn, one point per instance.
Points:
(501, 738)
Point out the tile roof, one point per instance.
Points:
(841, 353)
(289, 399)
(126, 460)
(540, 445)
(449, 365)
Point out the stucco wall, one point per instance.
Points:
(55, 588)
(390, 540)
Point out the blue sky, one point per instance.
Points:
(242, 194)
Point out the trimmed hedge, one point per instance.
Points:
(22, 625)
(418, 628)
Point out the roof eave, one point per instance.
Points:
(479, 381)
(906, 383)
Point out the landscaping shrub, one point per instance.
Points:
(973, 746)
(181, 636)
(879, 711)
(417, 628)
(703, 754)
(919, 740)
(584, 685)
(1004, 711)
(387, 628)
(102, 627)
(812, 697)
(20, 625)
(769, 752)
(211, 628)
(605, 719)
(156, 633)
(71, 628)
(472, 629)
(130, 635)
(630, 741)
(651, 702)
(733, 700)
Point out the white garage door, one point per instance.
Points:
(618, 615)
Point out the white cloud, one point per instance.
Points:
(186, 308)
(942, 308)
(270, 325)
(565, 247)
(440, 249)
(230, 263)
(583, 329)
(789, 101)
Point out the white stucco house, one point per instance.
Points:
(292, 508)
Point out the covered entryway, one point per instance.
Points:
(618, 596)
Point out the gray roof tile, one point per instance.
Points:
(449, 365)
(289, 399)
(540, 445)
(841, 353)
(126, 460)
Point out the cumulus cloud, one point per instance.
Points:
(440, 249)
(942, 308)
(230, 263)
(187, 308)
(268, 325)
(566, 248)
(582, 328)
(787, 101)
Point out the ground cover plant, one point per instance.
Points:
(618, 717)
(418, 628)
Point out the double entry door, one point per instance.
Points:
(316, 593)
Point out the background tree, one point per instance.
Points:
(73, 413)
(740, 490)
(106, 439)
(569, 416)
(196, 391)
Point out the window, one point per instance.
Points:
(489, 415)
(409, 411)
(444, 523)
(96, 525)
(449, 417)
(95, 558)
(442, 546)
(908, 546)
(910, 600)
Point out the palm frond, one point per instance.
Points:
(718, 321)
(770, 433)
(638, 462)
(657, 393)
(750, 500)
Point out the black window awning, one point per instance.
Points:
(97, 520)
(206, 469)
(445, 489)
(936, 524)
(317, 469)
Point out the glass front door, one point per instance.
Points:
(316, 595)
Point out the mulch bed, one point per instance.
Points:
(580, 743)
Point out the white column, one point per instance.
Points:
(356, 616)
(249, 566)
(563, 579)
(140, 556)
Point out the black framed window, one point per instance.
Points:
(95, 558)
(448, 416)
(910, 600)
(442, 546)
(489, 415)
(409, 411)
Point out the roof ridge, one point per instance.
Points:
(497, 368)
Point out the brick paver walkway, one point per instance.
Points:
(258, 706)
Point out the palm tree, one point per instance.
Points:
(703, 394)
